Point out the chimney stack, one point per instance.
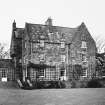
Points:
(49, 22)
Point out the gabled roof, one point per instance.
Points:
(68, 32)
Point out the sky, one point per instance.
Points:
(67, 13)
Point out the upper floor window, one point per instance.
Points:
(33, 37)
(62, 44)
(84, 58)
(20, 60)
(35, 47)
(41, 57)
(41, 43)
(63, 58)
(83, 45)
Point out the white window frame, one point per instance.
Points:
(85, 74)
(63, 58)
(62, 44)
(84, 44)
(41, 43)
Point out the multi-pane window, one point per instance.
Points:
(62, 44)
(41, 72)
(62, 73)
(83, 44)
(84, 58)
(63, 58)
(4, 74)
(84, 72)
(51, 74)
(41, 57)
(35, 47)
(41, 43)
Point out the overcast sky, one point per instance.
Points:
(67, 13)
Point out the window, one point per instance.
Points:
(25, 45)
(62, 73)
(41, 43)
(63, 57)
(84, 57)
(4, 73)
(62, 44)
(83, 44)
(84, 72)
(33, 37)
(41, 72)
(41, 57)
(35, 47)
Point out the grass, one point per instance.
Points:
(75, 96)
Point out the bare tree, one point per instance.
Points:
(4, 54)
(100, 43)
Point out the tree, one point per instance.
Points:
(3, 52)
(100, 43)
(100, 64)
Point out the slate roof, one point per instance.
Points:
(68, 32)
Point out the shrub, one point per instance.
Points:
(95, 83)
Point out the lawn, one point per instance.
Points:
(80, 96)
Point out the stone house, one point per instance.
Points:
(52, 53)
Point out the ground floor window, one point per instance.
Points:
(62, 73)
(84, 72)
(41, 72)
(4, 73)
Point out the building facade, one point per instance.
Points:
(52, 53)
